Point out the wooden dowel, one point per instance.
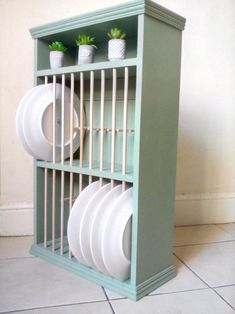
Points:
(124, 146)
(62, 214)
(106, 129)
(62, 172)
(81, 127)
(71, 143)
(102, 122)
(62, 118)
(45, 206)
(45, 193)
(91, 123)
(54, 120)
(71, 118)
(114, 91)
(53, 160)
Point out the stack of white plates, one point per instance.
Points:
(34, 122)
(99, 229)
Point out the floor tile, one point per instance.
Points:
(200, 234)
(191, 302)
(228, 293)
(32, 282)
(213, 263)
(229, 228)
(89, 308)
(113, 295)
(184, 280)
(11, 247)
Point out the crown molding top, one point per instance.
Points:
(127, 9)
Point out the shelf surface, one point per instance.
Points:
(75, 168)
(132, 62)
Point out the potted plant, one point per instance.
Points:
(116, 44)
(57, 50)
(86, 46)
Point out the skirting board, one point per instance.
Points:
(211, 208)
(16, 220)
(191, 209)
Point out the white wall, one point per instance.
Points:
(206, 146)
(206, 153)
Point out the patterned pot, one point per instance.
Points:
(56, 59)
(116, 49)
(85, 54)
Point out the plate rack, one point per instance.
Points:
(105, 142)
(127, 124)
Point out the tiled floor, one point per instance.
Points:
(205, 283)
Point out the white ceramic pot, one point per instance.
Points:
(85, 54)
(56, 59)
(116, 49)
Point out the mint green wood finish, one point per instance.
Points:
(156, 148)
(154, 43)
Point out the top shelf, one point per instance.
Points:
(96, 24)
(125, 13)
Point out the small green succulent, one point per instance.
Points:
(57, 46)
(85, 40)
(116, 33)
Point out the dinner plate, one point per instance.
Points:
(116, 238)
(98, 222)
(19, 119)
(37, 122)
(85, 225)
(75, 219)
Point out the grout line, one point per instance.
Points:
(16, 258)
(204, 281)
(54, 306)
(223, 299)
(224, 286)
(192, 271)
(226, 231)
(207, 243)
(173, 292)
(195, 225)
(111, 307)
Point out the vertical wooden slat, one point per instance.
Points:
(53, 160)
(62, 172)
(124, 147)
(45, 206)
(45, 194)
(91, 123)
(102, 122)
(81, 127)
(114, 91)
(71, 143)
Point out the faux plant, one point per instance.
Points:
(85, 40)
(57, 46)
(116, 33)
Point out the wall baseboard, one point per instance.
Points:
(16, 219)
(191, 209)
(196, 209)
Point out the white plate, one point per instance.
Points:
(19, 119)
(98, 222)
(37, 122)
(75, 219)
(116, 238)
(85, 225)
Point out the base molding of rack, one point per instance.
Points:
(154, 282)
(124, 288)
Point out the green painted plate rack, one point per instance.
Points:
(148, 81)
